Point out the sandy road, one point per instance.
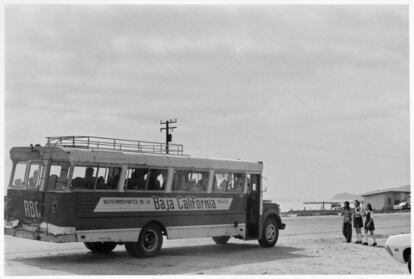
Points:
(309, 245)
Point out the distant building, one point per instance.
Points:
(385, 199)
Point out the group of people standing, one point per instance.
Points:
(355, 216)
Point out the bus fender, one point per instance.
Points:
(275, 215)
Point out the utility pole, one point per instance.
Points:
(168, 129)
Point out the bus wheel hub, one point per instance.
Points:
(150, 240)
(270, 232)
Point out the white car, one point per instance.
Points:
(401, 205)
(399, 247)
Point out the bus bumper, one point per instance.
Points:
(39, 235)
(32, 232)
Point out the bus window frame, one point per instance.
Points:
(73, 166)
(229, 173)
(108, 166)
(132, 167)
(214, 176)
(192, 170)
(148, 168)
(97, 166)
(208, 180)
(147, 182)
(173, 176)
(68, 179)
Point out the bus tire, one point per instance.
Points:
(149, 242)
(270, 233)
(100, 247)
(221, 239)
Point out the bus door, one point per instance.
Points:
(253, 205)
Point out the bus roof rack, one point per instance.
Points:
(114, 144)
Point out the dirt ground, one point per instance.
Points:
(309, 245)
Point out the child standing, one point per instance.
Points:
(369, 225)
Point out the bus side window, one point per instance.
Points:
(19, 172)
(236, 183)
(58, 175)
(221, 180)
(84, 177)
(157, 179)
(181, 180)
(199, 181)
(107, 178)
(136, 179)
(239, 182)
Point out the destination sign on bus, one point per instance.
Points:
(155, 203)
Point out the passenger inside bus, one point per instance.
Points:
(157, 179)
(86, 182)
(89, 180)
(193, 185)
(100, 183)
(238, 182)
(33, 180)
(203, 181)
(199, 182)
(137, 180)
(18, 182)
(114, 178)
(154, 183)
(220, 182)
(223, 184)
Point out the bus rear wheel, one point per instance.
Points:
(100, 247)
(221, 239)
(149, 242)
(270, 233)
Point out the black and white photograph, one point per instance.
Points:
(206, 139)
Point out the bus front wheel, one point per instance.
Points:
(100, 247)
(149, 242)
(270, 233)
(221, 239)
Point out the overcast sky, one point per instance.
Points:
(320, 94)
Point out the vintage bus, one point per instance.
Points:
(107, 192)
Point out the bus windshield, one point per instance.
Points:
(19, 173)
